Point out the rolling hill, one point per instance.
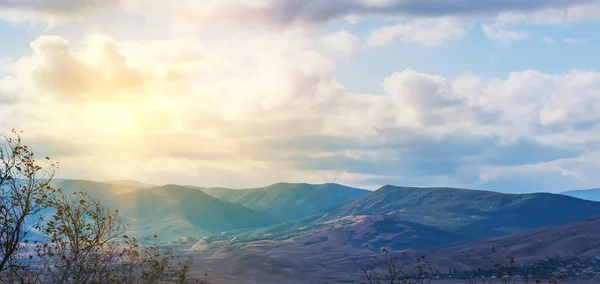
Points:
(473, 213)
(453, 227)
(289, 201)
(170, 211)
(449, 213)
(587, 194)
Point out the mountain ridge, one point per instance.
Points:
(171, 211)
(289, 201)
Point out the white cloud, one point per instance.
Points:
(547, 40)
(575, 40)
(51, 11)
(426, 32)
(342, 42)
(570, 13)
(212, 112)
(498, 33)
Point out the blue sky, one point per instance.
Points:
(501, 95)
(472, 53)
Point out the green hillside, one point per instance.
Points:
(289, 201)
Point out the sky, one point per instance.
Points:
(501, 95)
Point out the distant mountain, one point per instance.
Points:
(449, 214)
(171, 211)
(473, 213)
(587, 194)
(289, 201)
(450, 226)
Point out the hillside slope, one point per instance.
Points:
(326, 257)
(473, 213)
(289, 201)
(450, 213)
(170, 211)
(448, 225)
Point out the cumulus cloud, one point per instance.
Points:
(342, 42)
(265, 108)
(51, 11)
(575, 40)
(426, 32)
(498, 33)
(7, 91)
(98, 72)
(548, 40)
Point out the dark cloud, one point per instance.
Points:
(288, 11)
(57, 7)
(398, 152)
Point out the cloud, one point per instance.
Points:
(498, 33)
(7, 91)
(428, 32)
(51, 11)
(266, 108)
(342, 42)
(575, 40)
(98, 72)
(286, 12)
(548, 40)
(573, 12)
(289, 11)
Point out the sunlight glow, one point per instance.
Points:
(127, 120)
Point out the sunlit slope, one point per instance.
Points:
(289, 201)
(171, 211)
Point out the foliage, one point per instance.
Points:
(24, 190)
(84, 240)
(87, 246)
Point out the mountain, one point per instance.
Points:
(289, 201)
(472, 213)
(453, 227)
(436, 216)
(170, 211)
(587, 194)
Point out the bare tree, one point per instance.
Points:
(389, 268)
(24, 190)
(80, 232)
(88, 246)
(83, 241)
